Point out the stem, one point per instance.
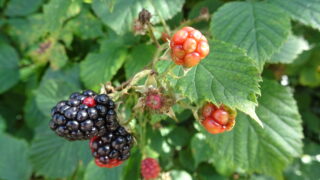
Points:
(151, 32)
(191, 21)
(163, 22)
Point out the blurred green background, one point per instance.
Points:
(50, 48)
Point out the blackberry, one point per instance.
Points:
(83, 116)
(111, 149)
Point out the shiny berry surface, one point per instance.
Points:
(111, 149)
(150, 168)
(83, 116)
(217, 119)
(188, 47)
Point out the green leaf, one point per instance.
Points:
(186, 159)
(207, 172)
(179, 136)
(56, 12)
(131, 170)
(55, 157)
(212, 6)
(51, 92)
(9, 69)
(102, 66)
(199, 149)
(120, 18)
(289, 50)
(22, 8)
(253, 148)
(226, 76)
(14, 163)
(98, 173)
(85, 26)
(304, 11)
(32, 114)
(2, 124)
(257, 27)
(27, 31)
(180, 175)
(58, 56)
(140, 56)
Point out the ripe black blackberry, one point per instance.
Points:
(111, 149)
(83, 116)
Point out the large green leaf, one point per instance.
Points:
(136, 61)
(290, 50)
(98, 173)
(14, 163)
(100, 67)
(51, 92)
(56, 12)
(226, 76)
(258, 27)
(265, 150)
(55, 157)
(56, 86)
(121, 15)
(9, 69)
(22, 8)
(199, 148)
(304, 11)
(32, 114)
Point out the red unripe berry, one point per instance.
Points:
(89, 101)
(154, 101)
(221, 116)
(212, 126)
(150, 168)
(208, 109)
(112, 163)
(188, 47)
(217, 119)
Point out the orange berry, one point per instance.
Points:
(212, 126)
(195, 34)
(179, 37)
(203, 49)
(221, 116)
(190, 45)
(191, 59)
(178, 51)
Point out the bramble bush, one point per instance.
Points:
(181, 89)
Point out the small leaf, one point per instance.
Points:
(55, 157)
(102, 66)
(98, 173)
(253, 148)
(227, 76)
(140, 56)
(14, 163)
(257, 27)
(304, 11)
(121, 17)
(9, 69)
(289, 50)
(22, 8)
(199, 149)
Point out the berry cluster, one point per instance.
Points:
(83, 116)
(111, 149)
(217, 119)
(188, 47)
(150, 168)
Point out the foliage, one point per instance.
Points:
(263, 63)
